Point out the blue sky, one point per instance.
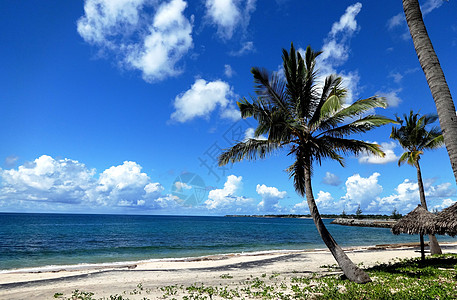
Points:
(122, 106)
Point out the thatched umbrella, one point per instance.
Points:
(447, 221)
(419, 221)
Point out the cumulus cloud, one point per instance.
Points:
(406, 196)
(141, 34)
(65, 181)
(336, 49)
(47, 179)
(444, 204)
(438, 191)
(393, 100)
(228, 15)
(180, 186)
(227, 198)
(324, 202)
(270, 198)
(331, 179)
(202, 98)
(388, 148)
(361, 190)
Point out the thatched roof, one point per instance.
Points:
(418, 221)
(447, 221)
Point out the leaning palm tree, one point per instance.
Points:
(307, 120)
(414, 138)
(435, 78)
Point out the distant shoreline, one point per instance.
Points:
(323, 216)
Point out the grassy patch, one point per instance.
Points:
(436, 278)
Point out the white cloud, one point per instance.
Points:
(227, 198)
(439, 191)
(361, 190)
(347, 22)
(55, 184)
(104, 19)
(395, 21)
(396, 76)
(406, 196)
(202, 99)
(331, 179)
(151, 43)
(430, 6)
(393, 100)
(47, 179)
(444, 204)
(336, 50)
(180, 186)
(228, 15)
(247, 47)
(324, 202)
(270, 198)
(399, 19)
(10, 161)
(249, 134)
(388, 148)
(228, 71)
(153, 188)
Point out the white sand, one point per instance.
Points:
(106, 280)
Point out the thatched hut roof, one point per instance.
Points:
(447, 221)
(418, 221)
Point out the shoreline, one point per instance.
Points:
(228, 270)
(211, 257)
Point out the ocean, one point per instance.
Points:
(40, 240)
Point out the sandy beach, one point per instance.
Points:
(228, 270)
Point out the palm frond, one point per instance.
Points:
(358, 126)
(250, 150)
(435, 143)
(403, 158)
(355, 109)
(297, 172)
(414, 136)
(352, 146)
(270, 88)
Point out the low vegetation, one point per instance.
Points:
(436, 278)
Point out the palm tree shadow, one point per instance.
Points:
(415, 268)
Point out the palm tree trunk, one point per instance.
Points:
(435, 78)
(351, 271)
(422, 248)
(434, 246)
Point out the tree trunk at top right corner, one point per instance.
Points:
(434, 246)
(350, 270)
(435, 78)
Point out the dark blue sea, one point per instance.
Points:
(39, 240)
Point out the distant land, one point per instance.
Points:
(324, 216)
(383, 221)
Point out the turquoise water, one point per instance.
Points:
(36, 240)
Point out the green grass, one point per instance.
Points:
(436, 278)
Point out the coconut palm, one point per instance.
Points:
(414, 138)
(308, 121)
(435, 78)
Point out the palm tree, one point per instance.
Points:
(435, 78)
(414, 137)
(306, 119)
